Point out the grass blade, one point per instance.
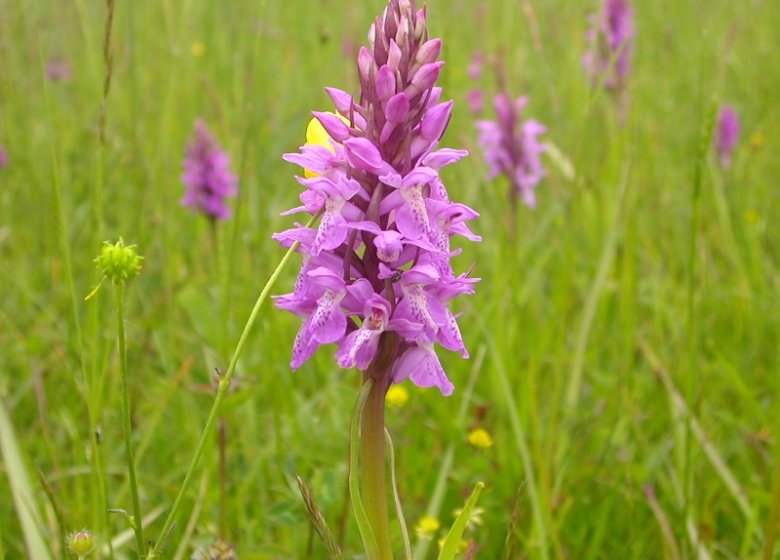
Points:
(318, 521)
(422, 545)
(397, 498)
(451, 542)
(24, 498)
(366, 533)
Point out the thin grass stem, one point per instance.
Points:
(126, 421)
(224, 384)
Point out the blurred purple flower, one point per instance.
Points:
(207, 175)
(610, 42)
(475, 67)
(512, 148)
(58, 70)
(376, 278)
(3, 157)
(727, 134)
(476, 100)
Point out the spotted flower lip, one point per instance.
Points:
(377, 277)
(207, 175)
(512, 148)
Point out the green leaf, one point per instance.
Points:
(24, 498)
(450, 547)
(397, 498)
(366, 533)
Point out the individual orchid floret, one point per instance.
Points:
(207, 175)
(512, 148)
(376, 278)
(610, 43)
(727, 135)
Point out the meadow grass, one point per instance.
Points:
(626, 333)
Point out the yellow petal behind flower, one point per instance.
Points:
(316, 135)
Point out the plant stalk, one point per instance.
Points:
(126, 423)
(372, 442)
(224, 384)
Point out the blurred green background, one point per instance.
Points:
(624, 336)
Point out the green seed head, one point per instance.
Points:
(81, 543)
(119, 262)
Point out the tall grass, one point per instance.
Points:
(651, 246)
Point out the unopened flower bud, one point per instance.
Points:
(119, 262)
(333, 124)
(81, 543)
(424, 79)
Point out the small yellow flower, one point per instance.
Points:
(480, 437)
(475, 517)
(462, 545)
(757, 141)
(427, 527)
(751, 217)
(198, 49)
(397, 396)
(316, 135)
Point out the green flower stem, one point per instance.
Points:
(372, 437)
(126, 424)
(224, 383)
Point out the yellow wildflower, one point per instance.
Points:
(480, 437)
(475, 517)
(427, 527)
(198, 49)
(757, 141)
(397, 396)
(463, 545)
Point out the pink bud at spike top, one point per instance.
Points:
(610, 42)
(376, 278)
(512, 148)
(207, 175)
(727, 134)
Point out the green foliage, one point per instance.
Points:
(451, 544)
(603, 270)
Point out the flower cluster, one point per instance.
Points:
(610, 41)
(727, 134)
(512, 148)
(376, 276)
(207, 175)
